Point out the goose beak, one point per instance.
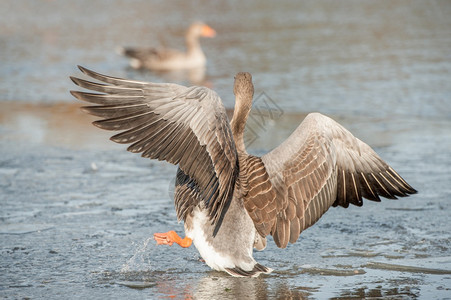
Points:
(207, 31)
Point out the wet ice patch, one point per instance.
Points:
(406, 268)
(331, 253)
(331, 272)
(137, 284)
(409, 208)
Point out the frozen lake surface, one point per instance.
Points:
(78, 212)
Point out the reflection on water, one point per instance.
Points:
(226, 287)
(380, 293)
(193, 76)
(215, 285)
(78, 211)
(50, 124)
(196, 76)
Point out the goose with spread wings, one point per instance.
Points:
(229, 200)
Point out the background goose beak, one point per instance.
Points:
(207, 31)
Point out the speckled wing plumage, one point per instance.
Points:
(259, 196)
(322, 165)
(186, 126)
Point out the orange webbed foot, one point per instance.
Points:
(170, 238)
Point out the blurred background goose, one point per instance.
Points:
(169, 59)
(228, 199)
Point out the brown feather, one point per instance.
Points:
(321, 165)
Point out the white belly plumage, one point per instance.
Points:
(213, 258)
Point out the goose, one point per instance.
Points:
(169, 59)
(228, 199)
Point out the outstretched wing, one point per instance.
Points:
(186, 126)
(321, 165)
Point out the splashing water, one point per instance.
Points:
(140, 261)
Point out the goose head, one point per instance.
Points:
(243, 88)
(199, 29)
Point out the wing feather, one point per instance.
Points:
(186, 126)
(322, 165)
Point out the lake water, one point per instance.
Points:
(78, 212)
